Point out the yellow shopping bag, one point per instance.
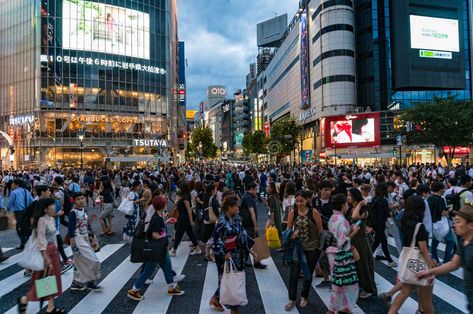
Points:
(273, 237)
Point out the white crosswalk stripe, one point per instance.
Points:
(270, 284)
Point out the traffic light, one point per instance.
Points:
(394, 151)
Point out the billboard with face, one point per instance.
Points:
(360, 130)
(100, 27)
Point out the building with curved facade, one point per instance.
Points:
(86, 79)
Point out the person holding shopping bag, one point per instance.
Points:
(230, 242)
(44, 238)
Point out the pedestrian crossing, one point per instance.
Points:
(267, 289)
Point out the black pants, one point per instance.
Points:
(380, 238)
(7, 190)
(23, 238)
(60, 248)
(181, 228)
(312, 258)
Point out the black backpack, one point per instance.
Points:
(23, 225)
(68, 201)
(454, 199)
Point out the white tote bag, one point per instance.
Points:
(411, 262)
(233, 286)
(31, 257)
(126, 206)
(441, 228)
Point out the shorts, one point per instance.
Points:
(107, 211)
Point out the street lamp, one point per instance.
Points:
(81, 135)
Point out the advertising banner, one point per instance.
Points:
(434, 33)
(100, 27)
(306, 156)
(304, 61)
(360, 129)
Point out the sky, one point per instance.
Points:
(220, 40)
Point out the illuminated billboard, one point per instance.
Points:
(434, 33)
(360, 130)
(304, 61)
(100, 27)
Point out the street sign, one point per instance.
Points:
(399, 140)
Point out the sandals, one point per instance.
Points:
(289, 306)
(303, 303)
(57, 311)
(110, 233)
(21, 306)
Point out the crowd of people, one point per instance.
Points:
(333, 222)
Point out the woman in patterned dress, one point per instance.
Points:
(344, 292)
(129, 230)
(230, 241)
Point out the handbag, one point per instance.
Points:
(411, 262)
(344, 269)
(441, 228)
(148, 250)
(31, 257)
(46, 286)
(261, 248)
(233, 285)
(126, 206)
(114, 203)
(272, 236)
(175, 212)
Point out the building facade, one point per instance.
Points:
(82, 79)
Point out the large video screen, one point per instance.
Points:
(434, 33)
(100, 27)
(352, 130)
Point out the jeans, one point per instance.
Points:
(380, 238)
(149, 268)
(449, 247)
(181, 228)
(312, 258)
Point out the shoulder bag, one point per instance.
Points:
(233, 285)
(31, 257)
(411, 262)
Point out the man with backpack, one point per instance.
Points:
(463, 191)
(64, 198)
(18, 202)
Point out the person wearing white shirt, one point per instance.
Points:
(424, 190)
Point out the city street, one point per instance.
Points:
(266, 289)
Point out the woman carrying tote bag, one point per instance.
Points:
(44, 233)
(414, 233)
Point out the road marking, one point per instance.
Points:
(324, 294)
(11, 261)
(408, 307)
(210, 285)
(156, 298)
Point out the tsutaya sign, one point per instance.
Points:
(150, 143)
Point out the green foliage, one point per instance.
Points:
(442, 122)
(284, 136)
(254, 143)
(203, 136)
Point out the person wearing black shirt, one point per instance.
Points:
(249, 216)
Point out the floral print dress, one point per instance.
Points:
(342, 297)
(129, 230)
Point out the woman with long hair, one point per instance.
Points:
(129, 230)
(413, 215)
(275, 207)
(106, 217)
(365, 266)
(306, 226)
(211, 203)
(44, 231)
(230, 241)
(289, 200)
(185, 222)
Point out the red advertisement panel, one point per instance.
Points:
(361, 130)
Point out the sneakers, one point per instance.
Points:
(148, 281)
(135, 295)
(178, 278)
(27, 273)
(75, 286)
(258, 265)
(172, 253)
(92, 286)
(392, 264)
(380, 258)
(66, 267)
(175, 291)
(364, 295)
(215, 305)
(324, 284)
(196, 251)
(385, 298)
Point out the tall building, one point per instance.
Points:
(91, 80)
(241, 118)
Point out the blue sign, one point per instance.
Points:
(306, 156)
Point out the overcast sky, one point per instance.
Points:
(220, 39)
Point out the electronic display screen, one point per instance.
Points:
(100, 27)
(434, 33)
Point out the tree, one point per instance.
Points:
(254, 143)
(444, 122)
(202, 143)
(284, 137)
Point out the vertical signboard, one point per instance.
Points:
(304, 60)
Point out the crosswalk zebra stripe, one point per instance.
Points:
(441, 289)
(210, 285)
(410, 305)
(66, 278)
(457, 273)
(11, 261)
(324, 294)
(97, 302)
(6, 249)
(156, 299)
(268, 280)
